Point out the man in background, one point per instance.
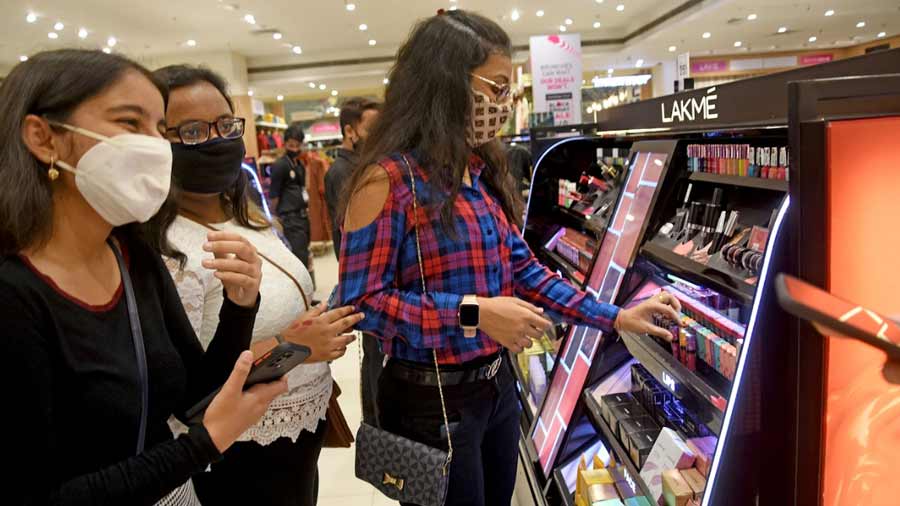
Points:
(288, 194)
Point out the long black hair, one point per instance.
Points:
(51, 84)
(235, 201)
(427, 108)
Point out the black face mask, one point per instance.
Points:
(211, 167)
(292, 154)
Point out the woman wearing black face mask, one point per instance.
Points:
(274, 462)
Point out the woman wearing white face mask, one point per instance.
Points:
(99, 350)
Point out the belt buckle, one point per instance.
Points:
(494, 368)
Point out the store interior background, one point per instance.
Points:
(297, 60)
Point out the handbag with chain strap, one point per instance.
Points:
(337, 430)
(400, 468)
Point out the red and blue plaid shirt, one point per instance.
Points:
(379, 271)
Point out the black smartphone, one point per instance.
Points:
(279, 361)
(811, 303)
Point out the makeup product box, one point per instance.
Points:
(580, 500)
(728, 361)
(638, 500)
(639, 445)
(696, 481)
(637, 424)
(602, 492)
(609, 502)
(537, 378)
(588, 477)
(622, 412)
(609, 401)
(703, 448)
(669, 452)
(676, 490)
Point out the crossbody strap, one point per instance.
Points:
(137, 337)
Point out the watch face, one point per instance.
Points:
(468, 315)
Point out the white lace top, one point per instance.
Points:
(306, 401)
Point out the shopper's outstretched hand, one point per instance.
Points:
(324, 332)
(639, 319)
(234, 410)
(512, 322)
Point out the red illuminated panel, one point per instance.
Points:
(616, 253)
(862, 430)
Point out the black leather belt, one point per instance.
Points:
(423, 374)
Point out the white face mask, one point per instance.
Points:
(487, 118)
(124, 178)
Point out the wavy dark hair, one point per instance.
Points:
(51, 84)
(236, 200)
(427, 109)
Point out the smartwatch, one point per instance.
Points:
(469, 316)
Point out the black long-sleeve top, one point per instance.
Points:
(72, 390)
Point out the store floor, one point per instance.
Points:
(338, 485)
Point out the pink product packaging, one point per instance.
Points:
(669, 452)
(729, 361)
(704, 448)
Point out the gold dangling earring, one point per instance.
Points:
(52, 173)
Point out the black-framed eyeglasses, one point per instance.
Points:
(197, 132)
(501, 91)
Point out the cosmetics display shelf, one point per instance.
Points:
(588, 225)
(723, 282)
(561, 488)
(710, 390)
(742, 181)
(528, 407)
(614, 446)
(563, 265)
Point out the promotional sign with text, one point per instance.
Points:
(556, 71)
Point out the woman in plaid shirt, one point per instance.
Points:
(448, 97)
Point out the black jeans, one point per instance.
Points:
(283, 473)
(484, 427)
(373, 363)
(296, 231)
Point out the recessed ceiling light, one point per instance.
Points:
(334, 93)
(706, 35)
(385, 80)
(351, 7)
(191, 43)
(453, 7)
(249, 93)
(881, 34)
(829, 12)
(58, 26)
(782, 29)
(322, 87)
(539, 14)
(620, 7)
(279, 98)
(569, 21)
(597, 24)
(53, 35)
(23, 58)
(813, 38)
(562, 28)
(82, 33)
(297, 50)
(107, 50)
(599, 1)
(363, 27)
(250, 19)
(861, 24)
(372, 42)
(738, 43)
(111, 42)
(751, 17)
(639, 63)
(610, 70)
(31, 17)
(672, 49)
(277, 36)
(312, 85)
(514, 15)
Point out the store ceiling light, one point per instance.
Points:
(82, 33)
(706, 35)
(322, 87)
(861, 24)
(297, 50)
(829, 12)
(620, 7)
(372, 42)
(59, 26)
(453, 7)
(639, 63)
(539, 14)
(597, 24)
(249, 18)
(31, 17)
(610, 70)
(107, 50)
(813, 38)
(111, 42)
(312, 85)
(562, 28)
(599, 1)
(53, 35)
(782, 29)
(351, 7)
(569, 21)
(277, 35)
(752, 17)
(882, 34)
(191, 43)
(279, 98)
(738, 43)
(515, 15)
(363, 27)
(23, 58)
(672, 49)
(334, 93)
(249, 93)
(385, 80)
